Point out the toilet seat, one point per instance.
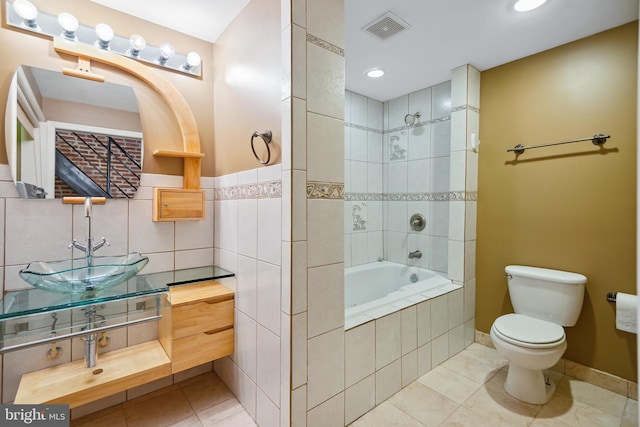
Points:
(528, 332)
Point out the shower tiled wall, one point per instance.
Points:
(363, 180)
(394, 170)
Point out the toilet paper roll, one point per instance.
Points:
(627, 312)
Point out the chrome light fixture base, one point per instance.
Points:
(43, 23)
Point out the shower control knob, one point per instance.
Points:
(417, 222)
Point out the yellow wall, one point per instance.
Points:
(569, 207)
(247, 84)
(158, 123)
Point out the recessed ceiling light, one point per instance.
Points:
(527, 5)
(374, 73)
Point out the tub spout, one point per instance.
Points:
(415, 254)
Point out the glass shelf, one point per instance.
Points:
(32, 316)
(37, 301)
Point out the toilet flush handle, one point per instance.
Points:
(508, 276)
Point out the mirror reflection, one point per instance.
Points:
(67, 136)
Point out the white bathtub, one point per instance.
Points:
(380, 288)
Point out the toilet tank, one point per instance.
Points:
(552, 295)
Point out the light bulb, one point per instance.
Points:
(137, 43)
(27, 11)
(527, 5)
(374, 73)
(69, 25)
(166, 52)
(105, 35)
(193, 60)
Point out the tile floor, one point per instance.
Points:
(466, 390)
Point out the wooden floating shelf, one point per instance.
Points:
(181, 154)
(74, 384)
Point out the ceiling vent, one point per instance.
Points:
(386, 26)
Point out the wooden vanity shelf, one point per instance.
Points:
(177, 154)
(186, 204)
(199, 325)
(74, 384)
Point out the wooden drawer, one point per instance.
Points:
(201, 317)
(199, 326)
(175, 204)
(200, 348)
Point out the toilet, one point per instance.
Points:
(532, 339)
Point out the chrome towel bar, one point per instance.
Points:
(611, 297)
(597, 139)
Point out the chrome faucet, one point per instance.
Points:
(89, 248)
(415, 254)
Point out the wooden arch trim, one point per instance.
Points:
(174, 99)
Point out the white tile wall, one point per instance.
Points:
(245, 354)
(363, 174)
(388, 339)
(409, 367)
(252, 245)
(325, 367)
(268, 364)
(267, 413)
(325, 96)
(388, 381)
(328, 414)
(268, 296)
(326, 291)
(359, 399)
(359, 353)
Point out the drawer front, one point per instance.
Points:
(197, 349)
(201, 317)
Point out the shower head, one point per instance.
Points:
(410, 119)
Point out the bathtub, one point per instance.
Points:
(376, 289)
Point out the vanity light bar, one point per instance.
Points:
(47, 24)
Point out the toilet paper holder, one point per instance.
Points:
(611, 296)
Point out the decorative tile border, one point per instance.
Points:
(325, 190)
(334, 190)
(417, 125)
(368, 129)
(398, 129)
(464, 107)
(325, 45)
(451, 196)
(260, 190)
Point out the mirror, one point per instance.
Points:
(72, 137)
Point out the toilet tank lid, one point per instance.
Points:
(546, 274)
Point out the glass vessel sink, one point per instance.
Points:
(62, 277)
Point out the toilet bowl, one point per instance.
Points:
(531, 346)
(532, 339)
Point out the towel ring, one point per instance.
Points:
(266, 137)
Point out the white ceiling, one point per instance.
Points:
(203, 19)
(444, 34)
